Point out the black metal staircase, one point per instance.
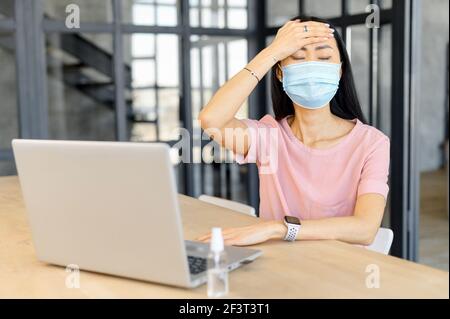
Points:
(88, 56)
(91, 56)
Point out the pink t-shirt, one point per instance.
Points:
(313, 183)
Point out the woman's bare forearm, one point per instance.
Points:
(225, 103)
(360, 228)
(222, 108)
(218, 117)
(351, 229)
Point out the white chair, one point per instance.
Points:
(383, 241)
(241, 208)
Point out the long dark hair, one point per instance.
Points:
(345, 104)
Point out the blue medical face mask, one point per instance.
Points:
(311, 85)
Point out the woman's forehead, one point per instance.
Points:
(328, 46)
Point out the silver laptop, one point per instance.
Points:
(111, 207)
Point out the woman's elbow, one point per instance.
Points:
(210, 122)
(205, 120)
(368, 235)
(366, 240)
(363, 231)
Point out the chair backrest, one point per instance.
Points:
(383, 241)
(241, 208)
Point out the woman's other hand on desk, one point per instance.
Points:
(250, 235)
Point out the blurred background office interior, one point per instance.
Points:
(138, 70)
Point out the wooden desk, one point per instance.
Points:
(314, 269)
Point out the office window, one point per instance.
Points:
(357, 6)
(358, 41)
(278, 13)
(386, 4)
(322, 8)
(150, 12)
(214, 60)
(230, 14)
(91, 11)
(80, 86)
(153, 94)
(384, 107)
(385, 79)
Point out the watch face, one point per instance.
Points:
(292, 220)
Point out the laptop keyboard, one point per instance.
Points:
(196, 264)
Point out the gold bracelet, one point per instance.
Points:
(253, 73)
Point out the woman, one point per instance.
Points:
(323, 171)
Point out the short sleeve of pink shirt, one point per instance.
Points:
(315, 183)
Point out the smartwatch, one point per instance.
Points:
(293, 226)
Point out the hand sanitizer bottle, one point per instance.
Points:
(217, 266)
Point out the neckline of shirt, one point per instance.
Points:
(321, 151)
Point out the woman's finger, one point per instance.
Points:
(290, 23)
(314, 29)
(311, 24)
(314, 33)
(308, 35)
(314, 40)
(294, 21)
